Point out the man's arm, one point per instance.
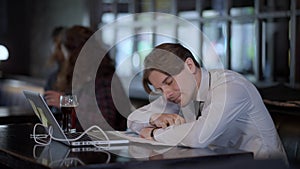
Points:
(216, 116)
(158, 113)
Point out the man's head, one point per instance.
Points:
(172, 69)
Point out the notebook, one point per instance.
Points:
(47, 118)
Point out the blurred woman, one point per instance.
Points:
(73, 40)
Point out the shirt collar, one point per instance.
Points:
(204, 85)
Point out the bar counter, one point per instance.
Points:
(18, 150)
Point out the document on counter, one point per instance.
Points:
(134, 137)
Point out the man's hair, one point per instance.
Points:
(167, 58)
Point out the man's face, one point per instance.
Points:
(180, 88)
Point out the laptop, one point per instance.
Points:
(47, 118)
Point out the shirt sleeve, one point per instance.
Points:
(139, 118)
(225, 103)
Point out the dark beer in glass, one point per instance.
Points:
(68, 103)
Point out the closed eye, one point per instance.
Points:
(168, 81)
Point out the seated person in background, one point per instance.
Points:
(73, 41)
(56, 59)
(233, 113)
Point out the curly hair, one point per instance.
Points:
(73, 40)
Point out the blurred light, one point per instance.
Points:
(3, 53)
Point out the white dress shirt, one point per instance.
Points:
(233, 115)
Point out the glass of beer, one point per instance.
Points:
(68, 103)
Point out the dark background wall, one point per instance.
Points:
(15, 25)
(26, 27)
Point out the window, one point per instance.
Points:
(245, 34)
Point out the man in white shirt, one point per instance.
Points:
(232, 114)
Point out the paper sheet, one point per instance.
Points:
(136, 138)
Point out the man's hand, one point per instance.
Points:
(146, 133)
(165, 120)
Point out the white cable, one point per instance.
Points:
(38, 137)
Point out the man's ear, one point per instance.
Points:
(191, 65)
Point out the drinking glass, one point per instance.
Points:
(68, 103)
